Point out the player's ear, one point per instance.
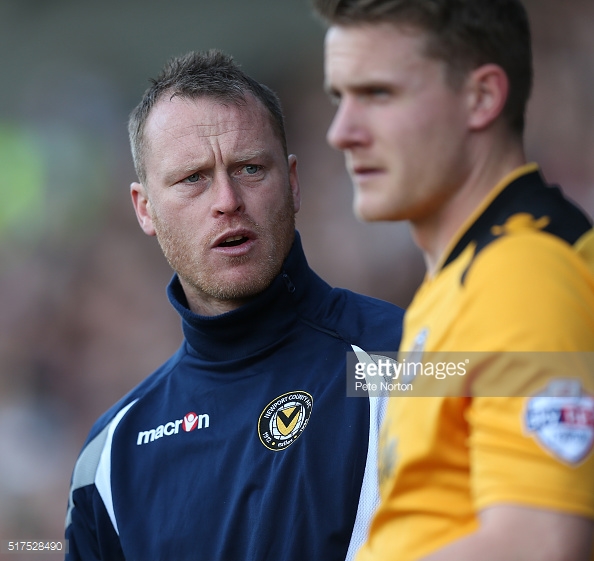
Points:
(294, 182)
(142, 206)
(488, 88)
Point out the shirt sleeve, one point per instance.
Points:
(531, 419)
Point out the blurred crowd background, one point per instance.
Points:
(83, 310)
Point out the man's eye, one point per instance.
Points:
(192, 178)
(375, 93)
(251, 169)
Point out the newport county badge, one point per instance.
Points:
(562, 420)
(284, 419)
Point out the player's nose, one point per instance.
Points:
(348, 127)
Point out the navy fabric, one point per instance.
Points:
(217, 492)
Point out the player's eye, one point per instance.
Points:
(376, 93)
(251, 169)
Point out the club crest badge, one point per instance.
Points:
(284, 419)
(561, 418)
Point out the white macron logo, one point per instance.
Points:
(190, 422)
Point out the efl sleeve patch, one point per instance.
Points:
(561, 419)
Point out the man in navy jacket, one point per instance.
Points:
(243, 445)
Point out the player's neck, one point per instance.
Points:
(434, 233)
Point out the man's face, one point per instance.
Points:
(219, 195)
(401, 126)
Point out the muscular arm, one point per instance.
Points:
(514, 533)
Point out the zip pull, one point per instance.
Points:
(289, 283)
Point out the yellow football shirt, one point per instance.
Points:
(518, 278)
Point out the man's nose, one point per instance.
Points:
(348, 128)
(227, 196)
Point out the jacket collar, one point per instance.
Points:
(261, 323)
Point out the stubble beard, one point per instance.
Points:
(187, 258)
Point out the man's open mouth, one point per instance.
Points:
(233, 241)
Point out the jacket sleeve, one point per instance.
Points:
(90, 533)
(91, 527)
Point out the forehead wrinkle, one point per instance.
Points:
(191, 129)
(251, 154)
(238, 153)
(233, 119)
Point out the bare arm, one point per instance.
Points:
(514, 533)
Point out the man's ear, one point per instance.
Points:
(142, 206)
(294, 182)
(488, 88)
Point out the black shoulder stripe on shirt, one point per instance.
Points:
(528, 194)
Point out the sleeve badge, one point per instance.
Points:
(561, 419)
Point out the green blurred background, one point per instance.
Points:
(83, 311)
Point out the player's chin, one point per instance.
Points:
(366, 209)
